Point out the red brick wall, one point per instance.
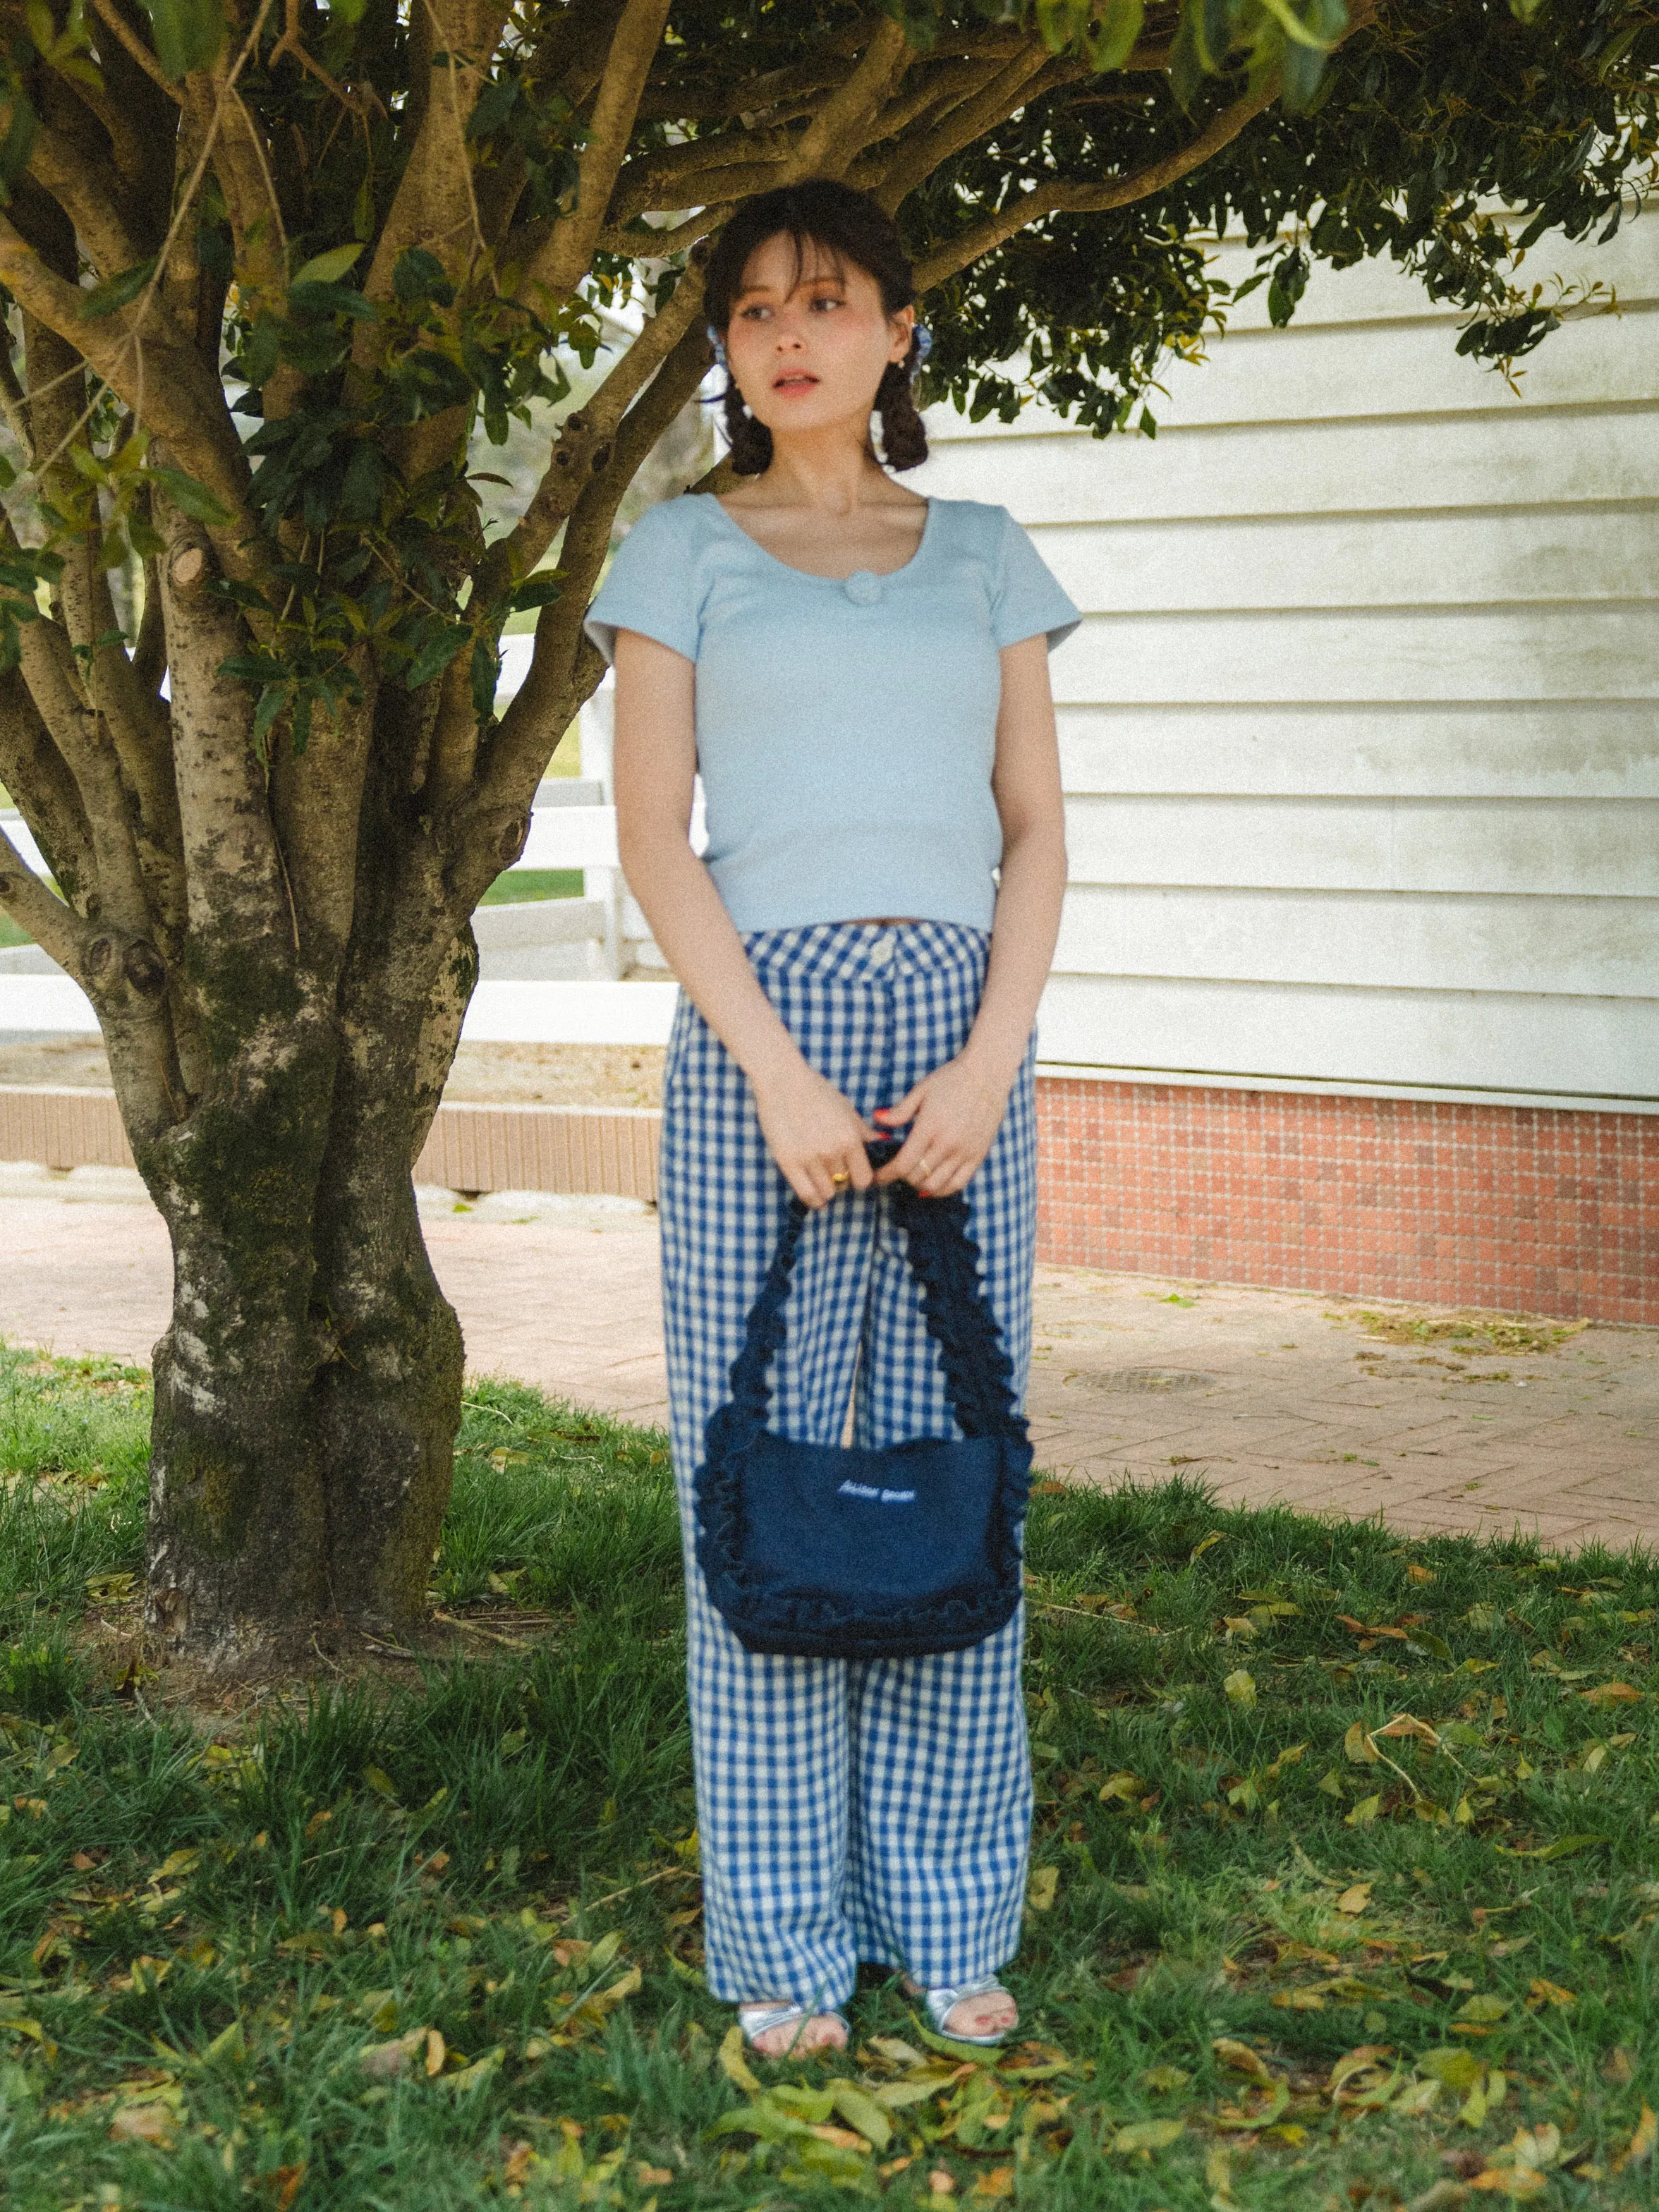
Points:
(1506, 1206)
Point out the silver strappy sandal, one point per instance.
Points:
(759, 2018)
(941, 2002)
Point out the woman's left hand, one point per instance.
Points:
(954, 1116)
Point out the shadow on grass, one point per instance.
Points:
(1344, 1866)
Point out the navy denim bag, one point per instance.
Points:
(828, 1552)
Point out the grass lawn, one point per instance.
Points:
(1343, 1890)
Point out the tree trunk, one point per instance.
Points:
(307, 1390)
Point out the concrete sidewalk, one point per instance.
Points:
(1266, 1395)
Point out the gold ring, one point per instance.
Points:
(840, 1176)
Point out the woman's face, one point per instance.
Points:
(807, 349)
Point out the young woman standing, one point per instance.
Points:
(861, 674)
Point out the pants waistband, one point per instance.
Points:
(867, 952)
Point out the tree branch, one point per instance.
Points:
(109, 13)
(584, 443)
(565, 666)
(569, 249)
(1057, 198)
(37, 777)
(434, 206)
(232, 866)
(55, 927)
(1018, 82)
(161, 378)
(827, 145)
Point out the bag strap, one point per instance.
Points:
(944, 1260)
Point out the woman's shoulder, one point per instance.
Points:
(977, 525)
(675, 520)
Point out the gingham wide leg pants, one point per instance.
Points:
(875, 1809)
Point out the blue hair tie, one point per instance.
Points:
(718, 343)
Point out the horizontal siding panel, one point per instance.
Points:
(1578, 749)
(1276, 563)
(1423, 941)
(1448, 1040)
(1525, 652)
(1586, 848)
(1386, 370)
(1517, 456)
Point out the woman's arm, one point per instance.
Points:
(812, 1130)
(955, 1112)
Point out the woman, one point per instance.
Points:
(861, 676)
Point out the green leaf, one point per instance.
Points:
(859, 2110)
(190, 497)
(536, 592)
(18, 144)
(418, 276)
(1565, 1847)
(1110, 38)
(332, 299)
(1290, 281)
(1149, 2135)
(1483, 2010)
(272, 700)
(116, 291)
(188, 34)
(436, 655)
(326, 268)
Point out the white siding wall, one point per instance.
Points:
(1361, 731)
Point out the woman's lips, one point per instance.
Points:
(796, 382)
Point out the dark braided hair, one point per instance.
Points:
(846, 223)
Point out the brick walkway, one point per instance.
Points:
(1265, 1394)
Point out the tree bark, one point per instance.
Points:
(308, 1390)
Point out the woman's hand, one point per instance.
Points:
(954, 1116)
(814, 1133)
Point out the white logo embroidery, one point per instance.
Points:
(881, 1496)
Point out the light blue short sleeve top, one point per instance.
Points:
(846, 728)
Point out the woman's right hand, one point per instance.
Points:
(814, 1133)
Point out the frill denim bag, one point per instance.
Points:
(831, 1552)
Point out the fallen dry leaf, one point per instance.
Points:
(282, 2184)
(150, 2124)
(1356, 1900)
(1241, 2059)
(999, 2182)
(1511, 2180)
(1040, 1892)
(941, 2182)
(1612, 1693)
(516, 2163)
(1642, 2143)
(654, 2176)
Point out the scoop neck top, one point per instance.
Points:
(884, 575)
(846, 726)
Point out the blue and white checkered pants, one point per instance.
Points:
(876, 1810)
